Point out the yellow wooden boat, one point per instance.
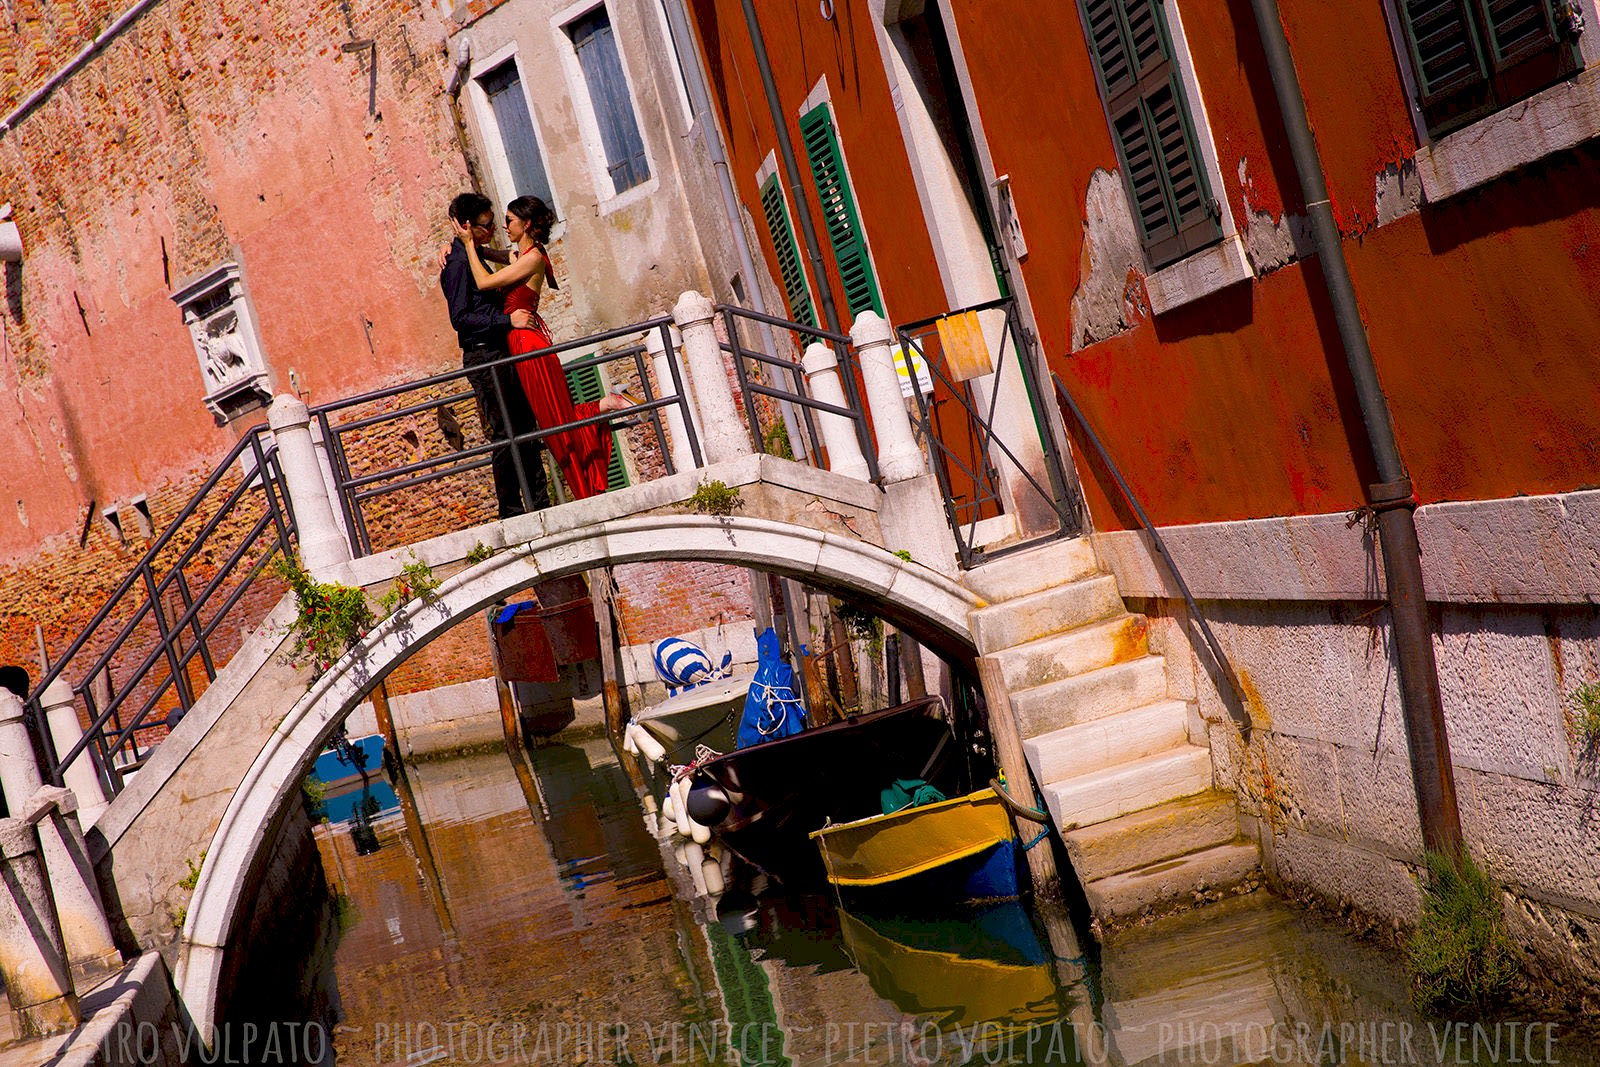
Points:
(968, 841)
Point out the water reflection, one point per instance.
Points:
(518, 910)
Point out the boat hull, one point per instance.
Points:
(952, 850)
(781, 791)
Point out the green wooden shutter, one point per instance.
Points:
(795, 290)
(1517, 29)
(845, 234)
(587, 388)
(1445, 53)
(1474, 57)
(1150, 124)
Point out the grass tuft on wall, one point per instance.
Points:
(1460, 957)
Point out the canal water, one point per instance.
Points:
(501, 909)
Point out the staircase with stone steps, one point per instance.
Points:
(1111, 752)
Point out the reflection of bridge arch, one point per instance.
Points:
(932, 605)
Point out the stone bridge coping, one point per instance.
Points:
(797, 521)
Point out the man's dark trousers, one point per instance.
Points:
(507, 487)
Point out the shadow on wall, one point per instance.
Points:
(1556, 187)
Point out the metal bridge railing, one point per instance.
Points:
(956, 423)
(174, 621)
(765, 374)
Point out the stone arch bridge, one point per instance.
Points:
(1076, 698)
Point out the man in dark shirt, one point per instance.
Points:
(481, 323)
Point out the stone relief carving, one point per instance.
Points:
(233, 370)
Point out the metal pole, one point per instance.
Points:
(700, 103)
(791, 169)
(1391, 499)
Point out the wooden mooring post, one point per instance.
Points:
(1013, 762)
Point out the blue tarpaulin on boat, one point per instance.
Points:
(771, 710)
(511, 611)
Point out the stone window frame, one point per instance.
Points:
(594, 153)
(488, 125)
(1217, 266)
(1552, 120)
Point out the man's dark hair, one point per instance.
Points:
(468, 206)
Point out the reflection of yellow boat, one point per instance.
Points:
(966, 842)
(984, 969)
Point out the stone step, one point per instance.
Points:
(1126, 787)
(1171, 882)
(1117, 737)
(1033, 570)
(1092, 695)
(1155, 834)
(1050, 611)
(1059, 656)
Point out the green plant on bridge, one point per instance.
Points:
(416, 582)
(775, 442)
(861, 624)
(715, 498)
(332, 617)
(479, 553)
(1460, 955)
(192, 879)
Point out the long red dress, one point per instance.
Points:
(584, 453)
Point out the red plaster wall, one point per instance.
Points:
(804, 47)
(1480, 310)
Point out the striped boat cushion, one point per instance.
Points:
(680, 663)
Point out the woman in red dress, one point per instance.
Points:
(584, 452)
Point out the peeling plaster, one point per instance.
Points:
(1108, 265)
(1399, 192)
(1272, 244)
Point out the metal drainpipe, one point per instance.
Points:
(700, 103)
(1391, 498)
(791, 169)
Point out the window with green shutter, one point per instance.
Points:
(1474, 57)
(1152, 128)
(838, 204)
(587, 388)
(795, 290)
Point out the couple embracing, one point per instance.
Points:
(495, 315)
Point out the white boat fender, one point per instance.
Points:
(680, 806)
(711, 875)
(699, 832)
(648, 746)
(628, 744)
(669, 812)
(694, 859)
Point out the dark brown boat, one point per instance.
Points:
(764, 801)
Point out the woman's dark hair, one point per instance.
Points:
(536, 213)
(539, 218)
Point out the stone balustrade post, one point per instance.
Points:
(325, 465)
(80, 913)
(33, 963)
(19, 767)
(321, 544)
(61, 714)
(661, 359)
(838, 433)
(899, 457)
(724, 435)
